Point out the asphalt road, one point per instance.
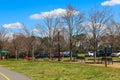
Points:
(6, 74)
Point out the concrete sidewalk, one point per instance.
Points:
(6, 74)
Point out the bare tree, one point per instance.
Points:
(48, 30)
(115, 32)
(28, 43)
(31, 43)
(109, 37)
(72, 19)
(97, 20)
(17, 43)
(3, 37)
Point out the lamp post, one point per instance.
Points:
(59, 46)
(105, 56)
(106, 52)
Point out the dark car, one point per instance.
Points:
(102, 52)
(56, 55)
(74, 55)
(67, 54)
(42, 55)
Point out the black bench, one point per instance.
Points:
(82, 58)
(109, 60)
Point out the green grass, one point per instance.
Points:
(116, 58)
(61, 71)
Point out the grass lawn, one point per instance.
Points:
(116, 58)
(61, 71)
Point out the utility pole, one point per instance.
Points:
(105, 56)
(59, 46)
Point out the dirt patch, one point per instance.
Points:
(114, 65)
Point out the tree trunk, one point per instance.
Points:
(33, 56)
(16, 53)
(70, 47)
(95, 57)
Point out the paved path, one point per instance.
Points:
(6, 74)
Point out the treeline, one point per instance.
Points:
(73, 31)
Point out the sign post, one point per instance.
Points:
(58, 46)
(105, 56)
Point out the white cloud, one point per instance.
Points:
(39, 32)
(100, 28)
(9, 36)
(97, 25)
(54, 13)
(16, 25)
(36, 30)
(111, 2)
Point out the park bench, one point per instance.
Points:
(81, 58)
(109, 60)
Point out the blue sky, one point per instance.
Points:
(19, 11)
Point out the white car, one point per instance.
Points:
(116, 54)
(89, 54)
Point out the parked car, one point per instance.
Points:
(89, 54)
(42, 55)
(67, 54)
(117, 54)
(56, 55)
(102, 53)
(74, 54)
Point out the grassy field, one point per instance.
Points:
(61, 71)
